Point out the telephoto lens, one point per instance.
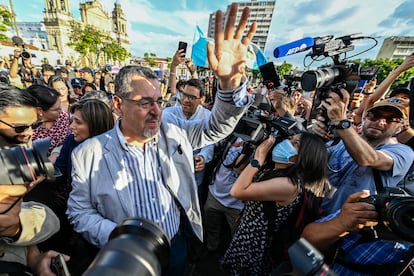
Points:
(21, 165)
(137, 246)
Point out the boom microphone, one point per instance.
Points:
(294, 47)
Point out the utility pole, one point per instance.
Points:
(13, 15)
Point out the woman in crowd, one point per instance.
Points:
(60, 84)
(55, 123)
(280, 201)
(90, 117)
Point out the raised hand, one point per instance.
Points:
(228, 59)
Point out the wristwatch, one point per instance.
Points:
(254, 163)
(344, 124)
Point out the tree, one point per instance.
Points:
(149, 57)
(92, 43)
(5, 22)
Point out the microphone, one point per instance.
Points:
(294, 47)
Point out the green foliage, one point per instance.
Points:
(385, 66)
(6, 23)
(148, 57)
(284, 69)
(88, 40)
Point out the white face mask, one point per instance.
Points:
(283, 151)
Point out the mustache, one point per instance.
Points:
(153, 118)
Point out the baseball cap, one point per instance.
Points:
(87, 70)
(76, 83)
(399, 90)
(396, 104)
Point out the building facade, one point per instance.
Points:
(261, 12)
(396, 47)
(57, 18)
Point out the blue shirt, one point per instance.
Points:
(348, 177)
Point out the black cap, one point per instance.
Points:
(87, 70)
(399, 90)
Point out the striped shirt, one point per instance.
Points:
(150, 195)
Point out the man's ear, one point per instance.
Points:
(116, 101)
(202, 100)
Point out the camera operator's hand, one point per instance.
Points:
(178, 58)
(320, 128)
(336, 106)
(17, 53)
(263, 149)
(355, 215)
(40, 263)
(228, 59)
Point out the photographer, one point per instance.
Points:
(353, 160)
(345, 236)
(22, 75)
(23, 225)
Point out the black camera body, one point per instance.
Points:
(395, 207)
(256, 125)
(18, 41)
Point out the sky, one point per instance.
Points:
(156, 26)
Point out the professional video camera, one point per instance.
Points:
(20, 164)
(136, 246)
(107, 68)
(256, 125)
(292, 81)
(307, 260)
(18, 41)
(395, 207)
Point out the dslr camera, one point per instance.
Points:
(395, 207)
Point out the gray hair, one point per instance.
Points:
(123, 78)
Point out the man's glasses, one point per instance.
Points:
(22, 128)
(147, 103)
(389, 119)
(183, 96)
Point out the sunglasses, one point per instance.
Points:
(22, 128)
(389, 119)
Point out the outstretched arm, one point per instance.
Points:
(228, 59)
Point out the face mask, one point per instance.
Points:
(283, 151)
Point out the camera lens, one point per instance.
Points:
(26, 55)
(319, 78)
(400, 215)
(137, 247)
(22, 164)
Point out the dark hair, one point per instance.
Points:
(123, 78)
(88, 84)
(11, 96)
(98, 95)
(312, 162)
(197, 84)
(46, 96)
(61, 70)
(56, 78)
(180, 83)
(97, 115)
(47, 67)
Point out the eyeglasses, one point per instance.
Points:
(389, 119)
(147, 103)
(189, 97)
(22, 128)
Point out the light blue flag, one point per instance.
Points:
(255, 56)
(199, 50)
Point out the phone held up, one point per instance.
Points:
(182, 45)
(59, 266)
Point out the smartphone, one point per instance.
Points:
(59, 266)
(368, 73)
(182, 45)
(269, 75)
(361, 86)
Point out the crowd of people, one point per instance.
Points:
(123, 147)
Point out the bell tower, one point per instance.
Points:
(56, 17)
(119, 23)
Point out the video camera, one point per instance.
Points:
(332, 78)
(18, 41)
(257, 124)
(395, 207)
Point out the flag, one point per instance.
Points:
(199, 50)
(255, 56)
